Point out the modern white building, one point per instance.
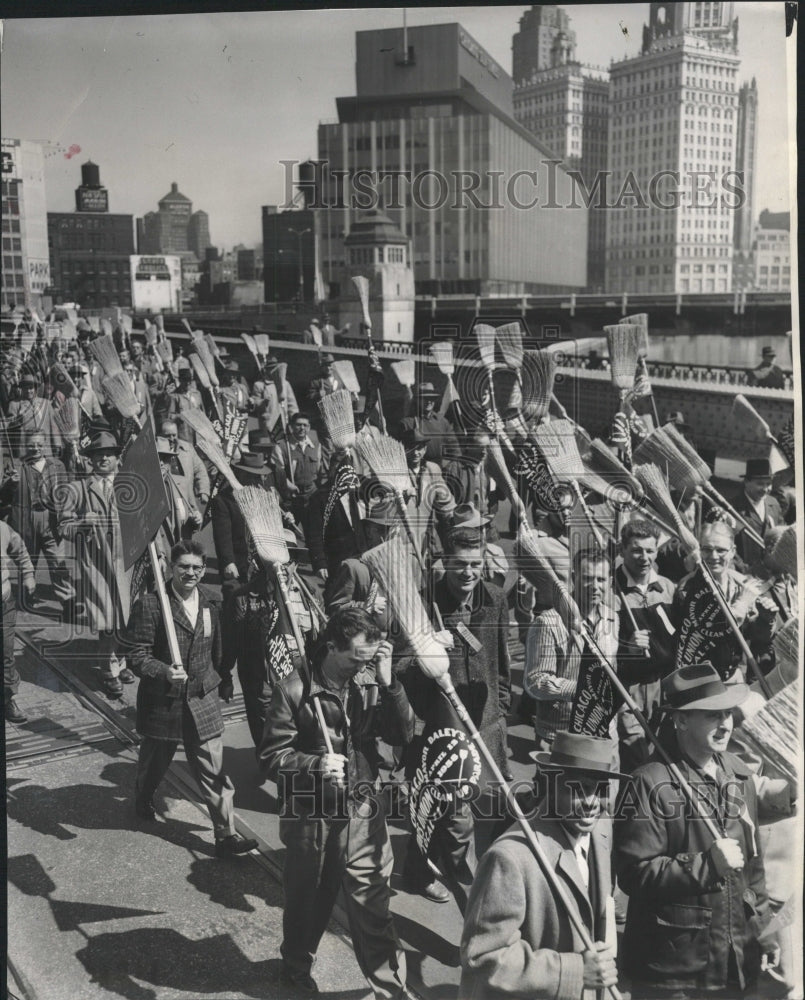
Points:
(26, 260)
(672, 154)
(156, 283)
(772, 260)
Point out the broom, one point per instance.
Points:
(784, 552)
(336, 410)
(263, 518)
(623, 344)
(405, 373)
(486, 347)
(745, 417)
(442, 356)
(248, 340)
(346, 374)
(394, 567)
(660, 450)
(773, 731)
(622, 480)
(640, 323)
(786, 648)
(105, 353)
(198, 421)
(539, 371)
(362, 286)
(118, 391)
(510, 341)
(208, 361)
(211, 448)
(537, 569)
(694, 459)
(263, 345)
(386, 458)
(200, 371)
(94, 324)
(68, 419)
(60, 380)
(212, 347)
(106, 327)
(496, 454)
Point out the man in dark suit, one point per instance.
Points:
(177, 701)
(518, 938)
(758, 508)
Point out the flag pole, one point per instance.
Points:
(164, 604)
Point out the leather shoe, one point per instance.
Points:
(145, 810)
(14, 713)
(232, 845)
(126, 676)
(300, 982)
(434, 891)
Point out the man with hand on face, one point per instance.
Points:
(333, 822)
(178, 701)
(697, 905)
(518, 939)
(645, 653)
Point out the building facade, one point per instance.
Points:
(743, 260)
(156, 283)
(672, 154)
(289, 254)
(565, 105)
(430, 140)
(772, 252)
(90, 248)
(26, 262)
(174, 228)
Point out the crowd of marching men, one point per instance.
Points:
(367, 604)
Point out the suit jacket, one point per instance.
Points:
(340, 540)
(194, 473)
(750, 552)
(47, 496)
(160, 706)
(229, 532)
(518, 940)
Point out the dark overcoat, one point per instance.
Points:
(159, 705)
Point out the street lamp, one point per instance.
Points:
(299, 233)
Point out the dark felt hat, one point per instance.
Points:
(699, 686)
(255, 464)
(758, 468)
(577, 753)
(102, 441)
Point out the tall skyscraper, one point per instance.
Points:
(175, 228)
(533, 45)
(26, 265)
(565, 105)
(743, 261)
(198, 234)
(672, 154)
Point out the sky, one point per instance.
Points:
(216, 101)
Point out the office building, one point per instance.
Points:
(743, 260)
(430, 140)
(26, 262)
(156, 283)
(90, 248)
(565, 105)
(673, 118)
(772, 252)
(174, 228)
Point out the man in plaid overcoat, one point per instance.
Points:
(178, 701)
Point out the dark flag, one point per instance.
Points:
(596, 701)
(142, 504)
(704, 633)
(546, 492)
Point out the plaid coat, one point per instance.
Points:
(159, 707)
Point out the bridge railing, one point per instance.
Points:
(702, 374)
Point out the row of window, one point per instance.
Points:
(11, 225)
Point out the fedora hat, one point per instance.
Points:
(577, 753)
(409, 434)
(467, 515)
(29, 380)
(699, 686)
(255, 464)
(757, 468)
(769, 352)
(427, 390)
(258, 441)
(102, 441)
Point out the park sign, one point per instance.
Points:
(142, 502)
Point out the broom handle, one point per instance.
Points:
(308, 593)
(687, 789)
(165, 606)
(733, 624)
(409, 530)
(324, 730)
(587, 513)
(558, 889)
(716, 498)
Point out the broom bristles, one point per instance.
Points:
(442, 354)
(486, 344)
(151, 335)
(346, 373)
(640, 322)
(786, 647)
(621, 480)
(687, 451)
(557, 442)
(510, 341)
(774, 731)
(212, 347)
(404, 372)
(539, 372)
(385, 456)
(68, 418)
(248, 340)
(538, 570)
(336, 410)
(198, 421)
(106, 327)
(361, 284)
(200, 371)
(658, 495)
(208, 361)
(263, 344)
(105, 353)
(784, 552)
(263, 518)
(213, 451)
(658, 449)
(622, 342)
(117, 389)
(393, 566)
(745, 415)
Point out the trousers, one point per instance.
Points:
(324, 855)
(38, 538)
(11, 676)
(206, 761)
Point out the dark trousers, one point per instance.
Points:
(39, 538)
(322, 856)
(206, 761)
(450, 851)
(254, 683)
(11, 676)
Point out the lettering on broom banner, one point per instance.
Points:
(449, 766)
(704, 633)
(595, 702)
(548, 494)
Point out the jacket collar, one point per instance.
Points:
(179, 616)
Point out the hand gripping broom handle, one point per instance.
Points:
(687, 789)
(718, 500)
(165, 605)
(733, 624)
(551, 878)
